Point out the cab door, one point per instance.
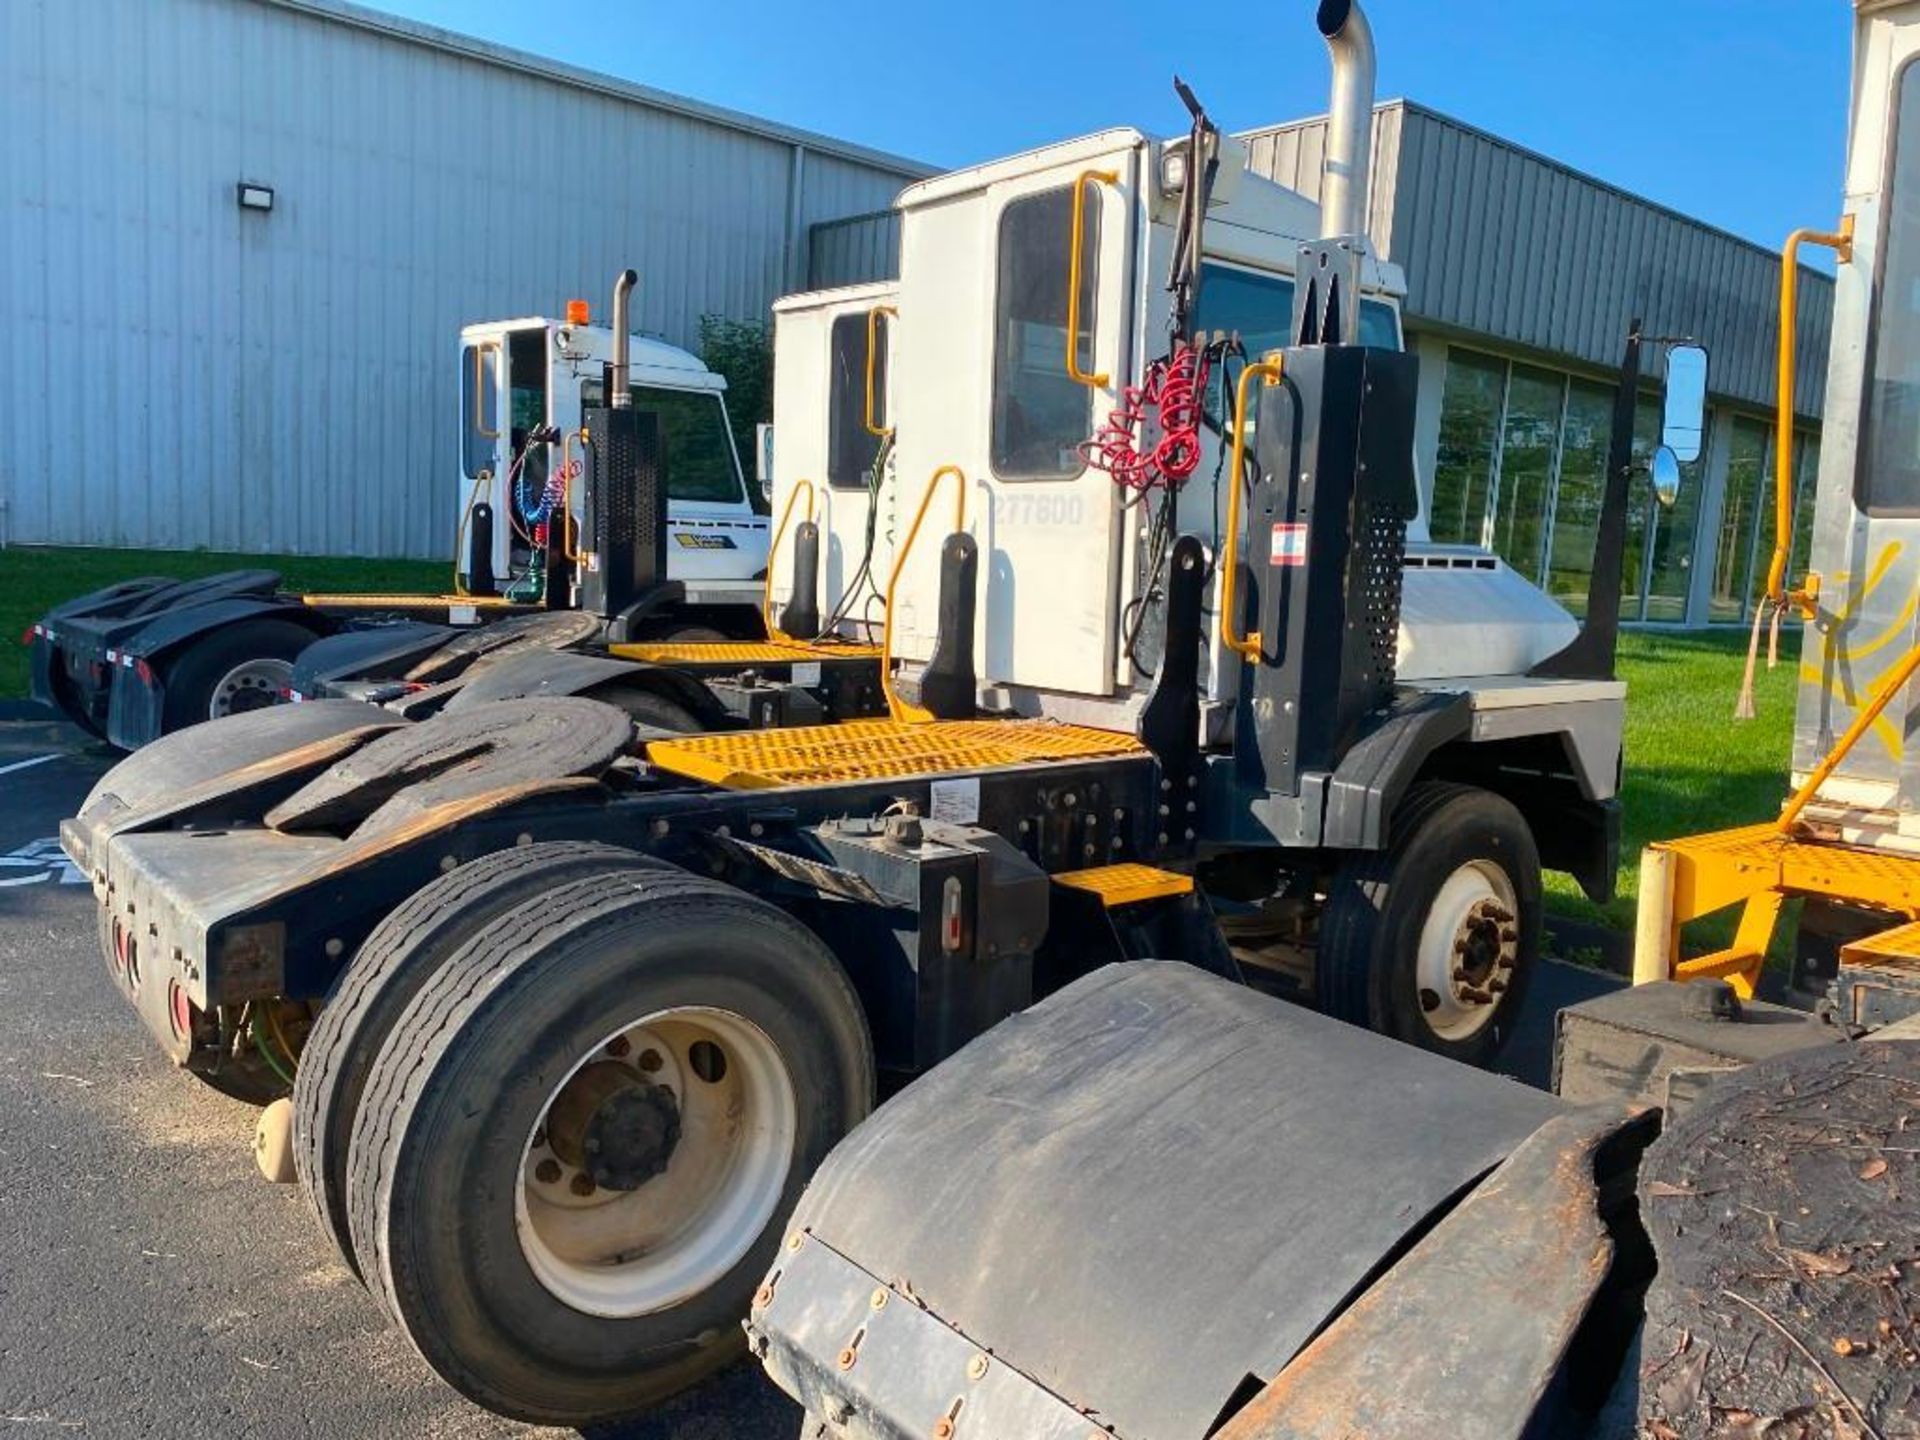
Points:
(1863, 564)
(1020, 294)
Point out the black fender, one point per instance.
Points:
(374, 652)
(171, 628)
(568, 672)
(1376, 771)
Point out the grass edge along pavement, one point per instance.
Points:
(1689, 765)
(33, 579)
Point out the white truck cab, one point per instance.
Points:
(521, 375)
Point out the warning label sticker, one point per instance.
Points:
(1289, 545)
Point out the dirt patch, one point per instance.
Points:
(1785, 1213)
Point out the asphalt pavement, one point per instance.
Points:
(151, 1283)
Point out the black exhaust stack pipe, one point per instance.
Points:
(801, 616)
(626, 513)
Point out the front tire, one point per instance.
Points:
(1435, 939)
(619, 1090)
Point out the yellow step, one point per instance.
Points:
(1126, 884)
(1897, 949)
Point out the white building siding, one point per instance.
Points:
(177, 372)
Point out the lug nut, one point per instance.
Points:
(547, 1172)
(581, 1184)
(619, 1046)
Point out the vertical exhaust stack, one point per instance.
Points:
(617, 396)
(1344, 181)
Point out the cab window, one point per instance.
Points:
(1040, 415)
(1888, 479)
(851, 447)
(696, 450)
(1260, 308)
(479, 407)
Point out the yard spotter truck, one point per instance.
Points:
(599, 999)
(813, 657)
(538, 551)
(1158, 1206)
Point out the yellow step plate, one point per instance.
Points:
(879, 750)
(1898, 948)
(760, 652)
(1728, 866)
(1118, 885)
(410, 602)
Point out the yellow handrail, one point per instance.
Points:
(905, 710)
(480, 393)
(1841, 243)
(1271, 368)
(879, 432)
(773, 550)
(1891, 686)
(1074, 372)
(568, 534)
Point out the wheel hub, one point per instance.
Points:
(1485, 949)
(614, 1124)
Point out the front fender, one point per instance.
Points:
(565, 672)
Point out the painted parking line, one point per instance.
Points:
(26, 764)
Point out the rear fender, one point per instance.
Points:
(1493, 1327)
(566, 672)
(226, 770)
(169, 630)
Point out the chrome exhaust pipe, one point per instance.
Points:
(1349, 152)
(620, 398)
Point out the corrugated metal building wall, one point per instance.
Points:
(854, 251)
(178, 372)
(1502, 242)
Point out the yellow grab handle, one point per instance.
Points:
(766, 595)
(1841, 243)
(1271, 368)
(568, 534)
(879, 432)
(1074, 372)
(480, 393)
(901, 709)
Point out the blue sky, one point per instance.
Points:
(1731, 110)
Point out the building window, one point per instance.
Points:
(1530, 441)
(851, 447)
(1578, 495)
(1469, 441)
(1739, 520)
(1666, 533)
(1040, 414)
(1521, 469)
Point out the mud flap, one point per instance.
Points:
(1138, 1200)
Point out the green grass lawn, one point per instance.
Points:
(33, 579)
(1690, 765)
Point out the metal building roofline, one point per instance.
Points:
(413, 32)
(1547, 161)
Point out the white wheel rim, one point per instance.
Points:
(620, 1254)
(250, 685)
(1469, 946)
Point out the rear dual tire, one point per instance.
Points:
(230, 671)
(568, 1305)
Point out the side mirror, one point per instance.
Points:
(1684, 423)
(1665, 473)
(763, 457)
